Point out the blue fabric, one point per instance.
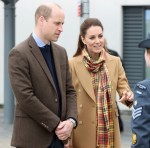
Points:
(38, 41)
(56, 143)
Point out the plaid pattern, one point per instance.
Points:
(102, 89)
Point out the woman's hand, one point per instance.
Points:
(127, 96)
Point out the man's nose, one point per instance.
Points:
(61, 28)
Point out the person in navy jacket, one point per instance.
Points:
(140, 122)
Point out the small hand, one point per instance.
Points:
(126, 96)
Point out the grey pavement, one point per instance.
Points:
(126, 139)
(6, 131)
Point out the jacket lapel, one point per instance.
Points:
(84, 77)
(38, 55)
(57, 65)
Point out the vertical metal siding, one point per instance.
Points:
(133, 33)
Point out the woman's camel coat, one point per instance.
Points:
(84, 136)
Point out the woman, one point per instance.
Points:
(96, 76)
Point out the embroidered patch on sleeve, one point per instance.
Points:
(138, 92)
(141, 86)
(136, 112)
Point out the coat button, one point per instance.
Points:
(79, 90)
(80, 122)
(93, 122)
(56, 99)
(81, 106)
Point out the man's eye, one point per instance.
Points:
(57, 23)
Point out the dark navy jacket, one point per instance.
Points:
(140, 122)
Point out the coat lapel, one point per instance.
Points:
(38, 55)
(110, 63)
(84, 77)
(57, 66)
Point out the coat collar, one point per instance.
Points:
(38, 55)
(85, 78)
(111, 65)
(57, 63)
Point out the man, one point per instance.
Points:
(140, 122)
(46, 109)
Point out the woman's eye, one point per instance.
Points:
(100, 36)
(92, 37)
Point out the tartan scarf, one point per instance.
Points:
(102, 89)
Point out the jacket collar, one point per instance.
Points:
(38, 55)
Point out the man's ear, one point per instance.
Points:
(41, 19)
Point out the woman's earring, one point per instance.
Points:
(85, 46)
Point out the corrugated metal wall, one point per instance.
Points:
(133, 33)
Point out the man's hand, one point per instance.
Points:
(64, 129)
